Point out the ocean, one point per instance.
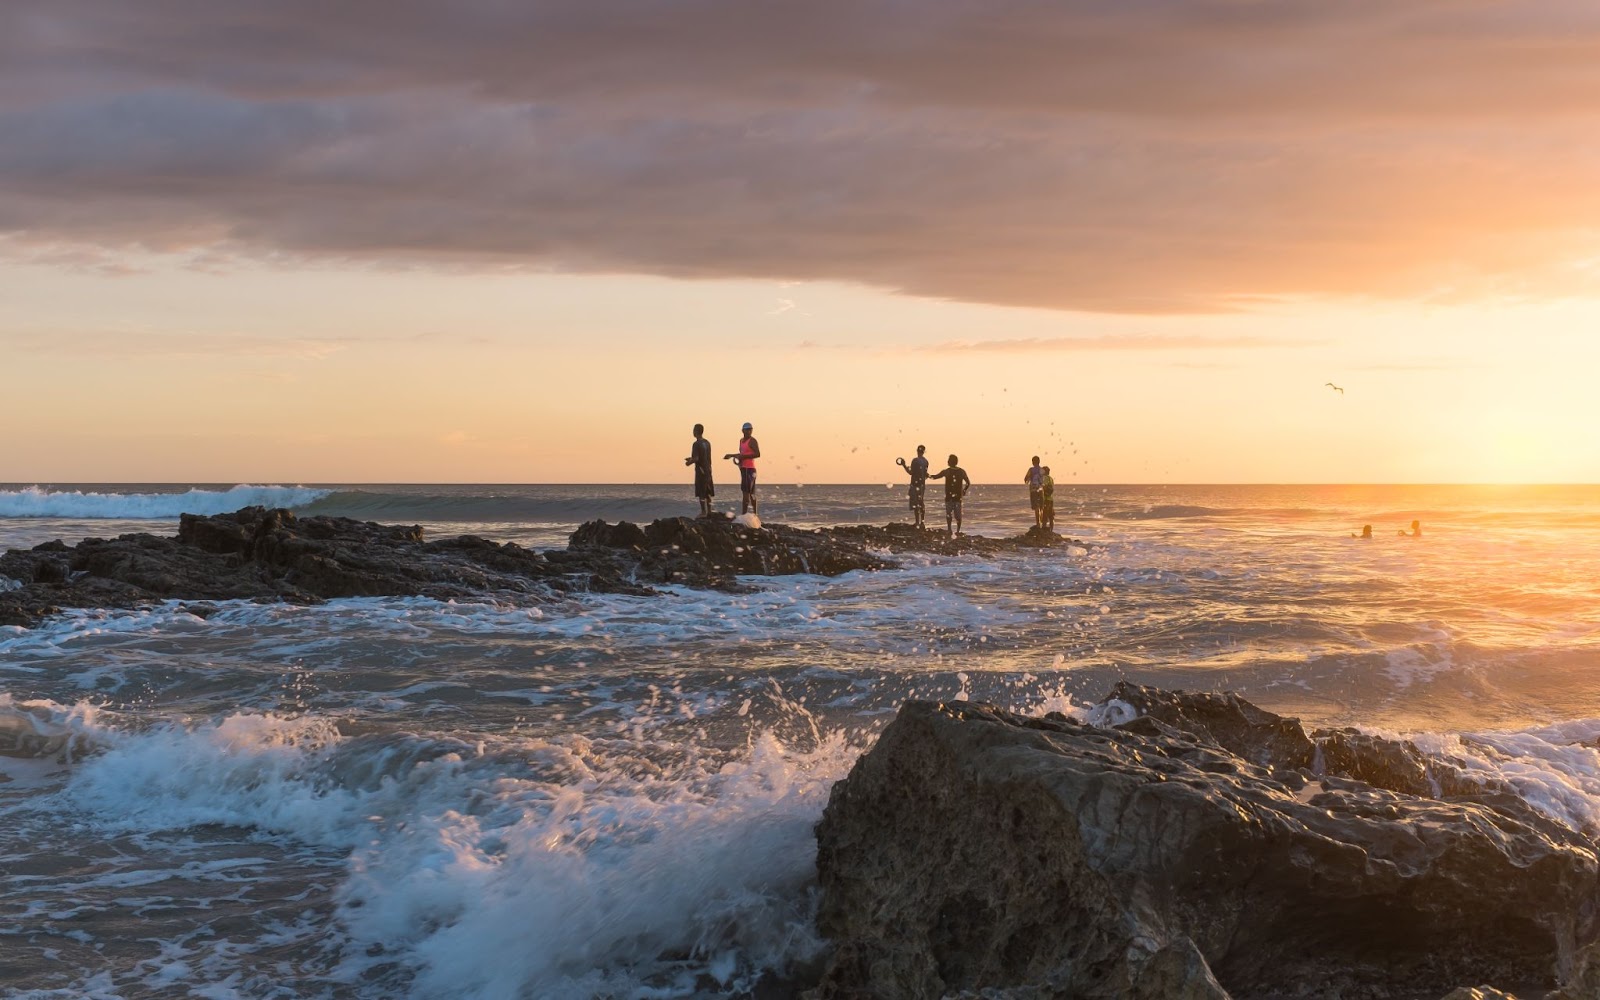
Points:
(614, 796)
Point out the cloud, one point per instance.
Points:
(1161, 156)
(147, 345)
(1118, 342)
(1440, 365)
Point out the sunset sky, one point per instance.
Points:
(503, 241)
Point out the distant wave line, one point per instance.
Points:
(37, 502)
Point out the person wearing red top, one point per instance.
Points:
(749, 451)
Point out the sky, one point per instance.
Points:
(500, 241)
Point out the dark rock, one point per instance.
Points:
(1395, 765)
(900, 537)
(50, 571)
(710, 551)
(1181, 855)
(224, 533)
(1226, 720)
(599, 534)
(263, 554)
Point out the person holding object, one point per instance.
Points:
(705, 486)
(956, 485)
(749, 451)
(917, 469)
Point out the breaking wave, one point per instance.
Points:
(36, 501)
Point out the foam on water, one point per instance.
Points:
(36, 501)
(568, 868)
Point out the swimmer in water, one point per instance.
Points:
(1415, 532)
(1366, 532)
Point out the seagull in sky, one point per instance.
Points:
(1335, 388)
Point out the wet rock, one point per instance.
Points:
(909, 538)
(1184, 853)
(1393, 764)
(270, 554)
(261, 554)
(1225, 719)
(710, 551)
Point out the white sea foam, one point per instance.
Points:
(1548, 768)
(38, 502)
(43, 728)
(593, 886)
(572, 868)
(1410, 665)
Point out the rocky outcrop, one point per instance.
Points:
(272, 555)
(1189, 851)
(711, 551)
(910, 538)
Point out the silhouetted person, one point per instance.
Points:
(1415, 532)
(1034, 477)
(917, 469)
(1049, 491)
(705, 486)
(748, 452)
(1366, 532)
(956, 485)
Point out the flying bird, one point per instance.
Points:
(1334, 388)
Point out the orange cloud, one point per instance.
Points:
(1170, 156)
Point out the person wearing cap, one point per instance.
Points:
(749, 451)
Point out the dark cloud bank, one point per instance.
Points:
(1123, 155)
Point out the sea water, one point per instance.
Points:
(580, 796)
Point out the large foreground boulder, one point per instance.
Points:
(1189, 851)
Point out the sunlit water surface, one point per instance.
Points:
(614, 796)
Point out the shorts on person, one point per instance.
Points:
(704, 486)
(747, 480)
(1036, 498)
(919, 493)
(952, 505)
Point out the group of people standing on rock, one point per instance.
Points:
(1041, 491)
(1041, 487)
(1041, 495)
(956, 485)
(705, 484)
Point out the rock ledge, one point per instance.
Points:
(1190, 852)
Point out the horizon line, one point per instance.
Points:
(198, 483)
